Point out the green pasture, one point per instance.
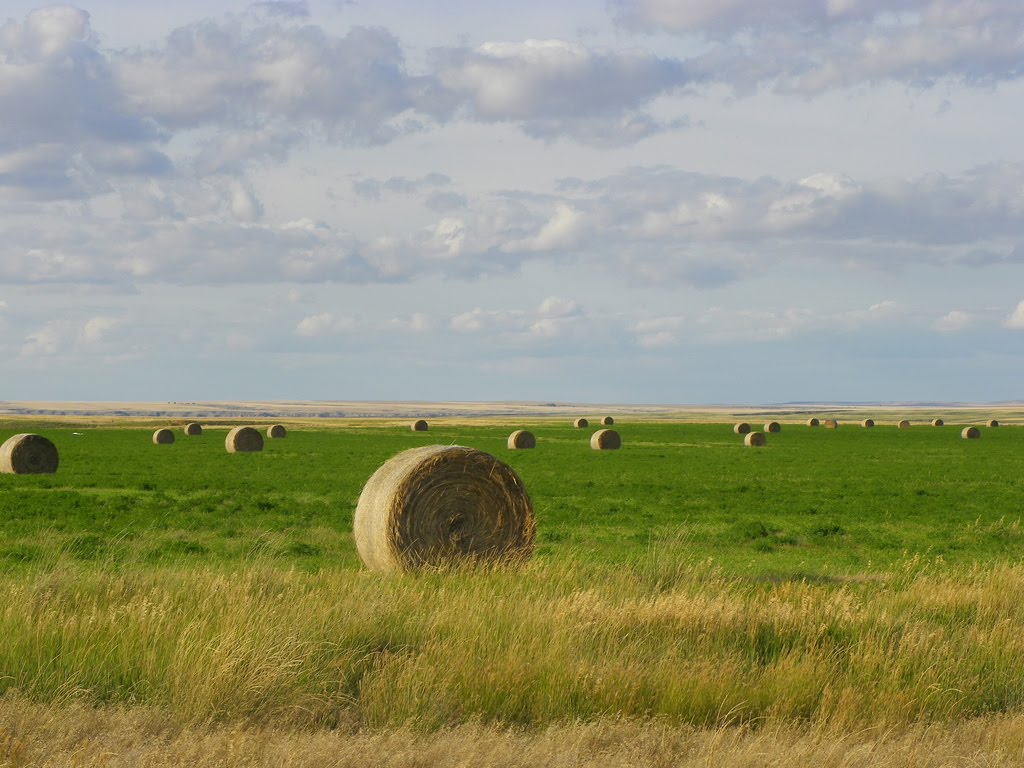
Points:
(813, 503)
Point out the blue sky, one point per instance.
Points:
(613, 201)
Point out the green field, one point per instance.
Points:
(834, 580)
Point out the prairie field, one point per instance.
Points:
(839, 597)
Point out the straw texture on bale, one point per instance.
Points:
(970, 433)
(581, 423)
(443, 505)
(938, 423)
(607, 421)
(831, 424)
(755, 440)
(992, 423)
(163, 437)
(420, 425)
(193, 429)
(741, 428)
(773, 426)
(605, 440)
(28, 454)
(277, 432)
(903, 424)
(521, 440)
(868, 423)
(243, 440)
(812, 422)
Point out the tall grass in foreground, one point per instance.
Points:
(553, 643)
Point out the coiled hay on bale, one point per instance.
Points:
(741, 428)
(755, 440)
(607, 421)
(243, 440)
(605, 440)
(194, 429)
(443, 505)
(868, 423)
(521, 440)
(773, 426)
(28, 454)
(831, 424)
(277, 432)
(163, 436)
(970, 433)
(992, 423)
(938, 423)
(902, 424)
(812, 422)
(581, 423)
(420, 425)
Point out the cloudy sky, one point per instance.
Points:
(664, 201)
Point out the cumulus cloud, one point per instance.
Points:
(1016, 318)
(953, 321)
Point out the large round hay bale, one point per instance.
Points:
(243, 440)
(903, 424)
(607, 421)
(28, 454)
(521, 440)
(970, 433)
(605, 440)
(741, 428)
(831, 424)
(420, 425)
(992, 423)
(443, 505)
(194, 429)
(938, 423)
(868, 423)
(277, 432)
(813, 422)
(772, 426)
(581, 423)
(755, 440)
(163, 436)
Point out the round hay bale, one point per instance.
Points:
(605, 440)
(831, 424)
(163, 437)
(902, 424)
(741, 428)
(970, 433)
(28, 454)
(521, 440)
(868, 423)
(420, 425)
(773, 426)
(277, 432)
(442, 505)
(938, 423)
(581, 423)
(812, 422)
(755, 440)
(243, 440)
(607, 421)
(992, 423)
(193, 430)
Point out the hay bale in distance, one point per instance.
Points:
(773, 426)
(243, 440)
(903, 424)
(581, 423)
(741, 428)
(193, 430)
(607, 421)
(992, 423)
(420, 425)
(868, 423)
(277, 432)
(605, 440)
(938, 423)
(970, 433)
(831, 424)
(441, 505)
(755, 440)
(163, 436)
(28, 454)
(521, 440)
(813, 422)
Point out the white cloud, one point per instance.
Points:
(95, 328)
(955, 320)
(1016, 318)
(43, 342)
(324, 324)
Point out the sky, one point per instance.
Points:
(608, 201)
